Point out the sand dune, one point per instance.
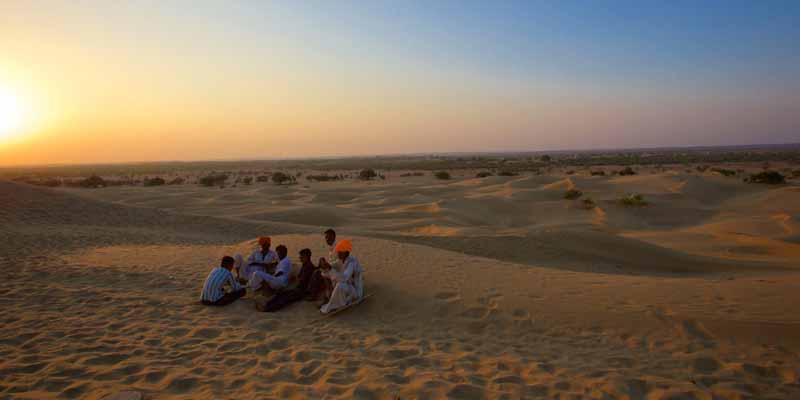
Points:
(513, 293)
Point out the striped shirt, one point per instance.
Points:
(214, 288)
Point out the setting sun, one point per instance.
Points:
(11, 114)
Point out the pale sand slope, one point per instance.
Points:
(116, 310)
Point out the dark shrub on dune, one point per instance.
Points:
(598, 173)
(635, 200)
(247, 180)
(724, 172)
(407, 174)
(213, 180)
(570, 172)
(157, 181)
(572, 194)
(506, 173)
(177, 181)
(627, 171)
(588, 203)
(483, 174)
(768, 177)
(322, 178)
(444, 175)
(262, 178)
(281, 178)
(93, 181)
(545, 158)
(367, 174)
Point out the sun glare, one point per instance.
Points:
(11, 114)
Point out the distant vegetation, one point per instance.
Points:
(545, 158)
(157, 181)
(323, 177)
(93, 181)
(627, 171)
(484, 174)
(407, 174)
(367, 174)
(444, 175)
(768, 177)
(724, 172)
(280, 178)
(588, 203)
(507, 173)
(572, 194)
(213, 180)
(598, 173)
(262, 178)
(635, 200)
(177, 181)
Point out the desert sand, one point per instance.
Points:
(482, 288)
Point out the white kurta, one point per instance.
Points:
(246, 270)
(349, 285)
(278, 281)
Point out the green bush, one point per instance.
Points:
(444, 175)
(635, 200)
(572, 194)
(768, 177)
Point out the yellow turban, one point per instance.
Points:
(262, 240)
(344, 245)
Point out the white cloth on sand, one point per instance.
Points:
(349, 285)
(246, 269)
(278, 281)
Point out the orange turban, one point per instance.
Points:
(344, 245)
(262, 240)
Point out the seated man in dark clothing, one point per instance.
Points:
(310, 279)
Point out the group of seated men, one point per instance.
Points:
(334, 282)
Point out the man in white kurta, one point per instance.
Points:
(280, 279)
(348, 282)
(260, 260)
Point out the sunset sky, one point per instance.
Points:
(114, 81)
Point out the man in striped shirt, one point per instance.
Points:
(214, 293)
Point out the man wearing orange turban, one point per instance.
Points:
(348, 281)
(263, 260)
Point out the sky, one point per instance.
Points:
(103, 81)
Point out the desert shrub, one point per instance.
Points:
(262, 178)
(636, 200)
(483, 174)
(281, 178)
(157, 181)
(701, 168)
(796, 173)
(545, 158)
(93, 181)
(177, 181)
(572, 194)
(598, 173)
(768, 177)
(367, 174)
(569, 172)
(588, 203)
(213, 180)
(627, 171)
(506, 173)
(724, 172)
(322, 178)
(247, 180)
(444, 175)
(407, 174)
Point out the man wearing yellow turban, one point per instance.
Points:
(348, 282)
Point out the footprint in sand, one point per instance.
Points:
(448, 296)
